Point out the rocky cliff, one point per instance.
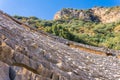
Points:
(97, 14)
(26, 54)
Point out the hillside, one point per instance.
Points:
(96, 14)
(30, 54)
(99, 26)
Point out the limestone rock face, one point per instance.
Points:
(4, 71)
(99, 14)
(26, 54)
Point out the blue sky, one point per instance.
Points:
(45, 9)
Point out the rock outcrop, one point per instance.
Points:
(26, 54)
(96, 14)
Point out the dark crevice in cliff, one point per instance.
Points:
(12, 74)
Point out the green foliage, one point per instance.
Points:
(87, 32)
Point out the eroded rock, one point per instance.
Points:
(26, 54)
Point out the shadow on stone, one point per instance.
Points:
(12, 74)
